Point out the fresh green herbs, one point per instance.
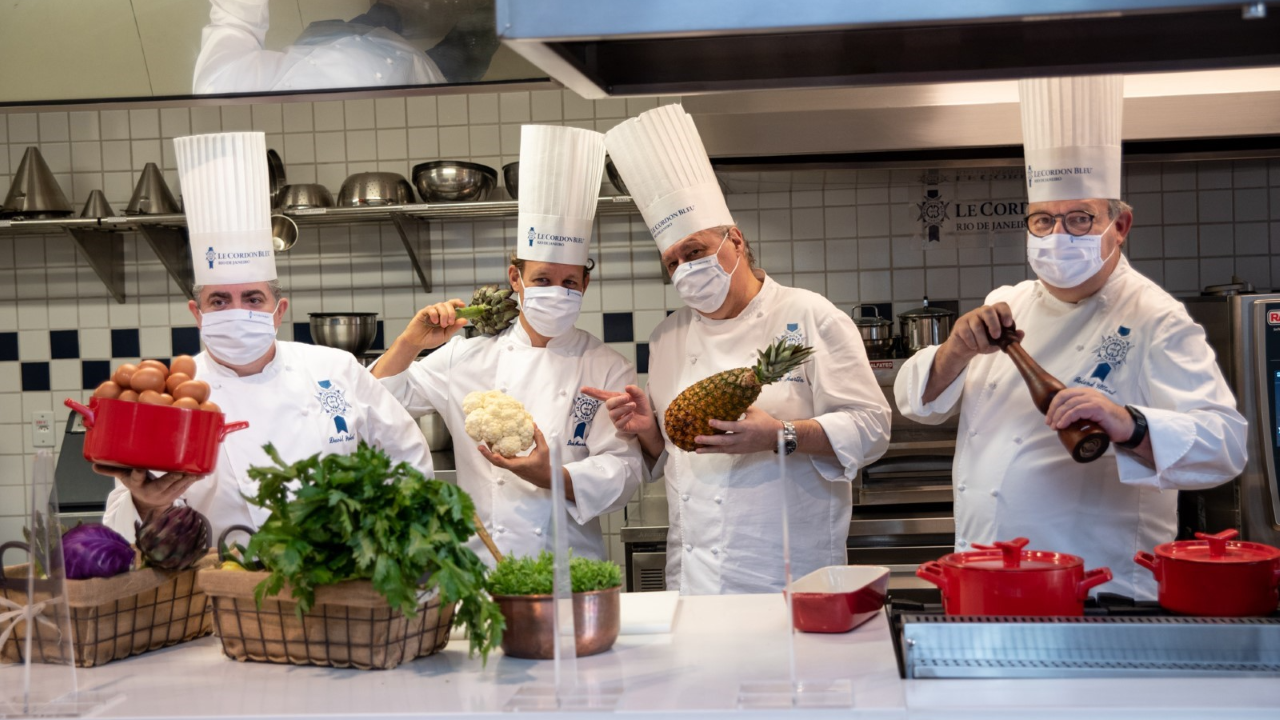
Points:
(533, 576)
(359, 517)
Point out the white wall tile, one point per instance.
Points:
(54, 127)
(482, 109)
(84, 127)
(452, 109)
(359, 114)
(775, 225)
(873, 220)
(547, 105)
(1182, 275)
(420, 111)
(204, 119)
(875, 286)
(330, 116)
(298, 117)
(1216, 240)
(362, 145)
(237, 118)
(806, 223)
(1178, 176)
(1250, 204)
(24, 129)
(1145, 242)
(809, 255)
(393, 144)
(576, 108)
(874, 252)
(390, 112)
(514, 107)
(1179, 207)
(455, 142)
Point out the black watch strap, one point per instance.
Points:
(1139, 429)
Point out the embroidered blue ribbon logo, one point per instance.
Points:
(530, 237)
(210, 256)
(1111, 353)
(584, 411)
(334, 403)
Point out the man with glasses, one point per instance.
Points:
(1132, 360)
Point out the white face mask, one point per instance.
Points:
(551, 311)
(238, 336)
(1066, 261)
(703, 284)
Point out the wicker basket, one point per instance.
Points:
(350, 624)
(112, 618)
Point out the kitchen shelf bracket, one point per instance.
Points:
(103, 249)
(415, 232)
(170, 245)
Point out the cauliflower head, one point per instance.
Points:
(498, 420)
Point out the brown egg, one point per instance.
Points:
(164, 369)
(210, 407)
(107, 390)
(197, 389)
(175, 380)
(124, 375)
(186, 403)
(128, 396)
(151, 397)
(184, 364)
(147, 378)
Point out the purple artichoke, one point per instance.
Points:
(175, 539)
(95, 551)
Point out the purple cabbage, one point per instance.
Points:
(95, 551)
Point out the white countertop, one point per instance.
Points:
(717, 643)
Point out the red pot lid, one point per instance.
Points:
(1218, 548)
(1010, 555)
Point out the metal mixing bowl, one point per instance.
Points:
(305, 196)
(375, 189)
(615, 177)
(511, 178)
(353, 332)
(454, 181)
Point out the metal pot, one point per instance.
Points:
(375, 189)
(305, 197)
(597, 617)
(1216, 576)
(511, 178)
(353, 332)
(1004, 579)
(925, 326)
(877, 332)
(454, 181)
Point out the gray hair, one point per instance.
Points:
(746, 246)
(273, 286)
(1116, 208)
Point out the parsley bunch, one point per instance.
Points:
(535, 576)
(358, 517)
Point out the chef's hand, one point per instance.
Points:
(150, 494)
(434, 325)
(534, 468)
(1082, 403)
(969, 336)
(757, 431)
(631, 414)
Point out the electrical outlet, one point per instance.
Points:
(42, 429)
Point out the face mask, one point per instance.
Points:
(1065, 261)
(551, 311)
(703, 284)
(238, 336)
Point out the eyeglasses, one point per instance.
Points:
(1076, 223)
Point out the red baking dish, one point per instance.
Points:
(1216, 576)
(838, 598)
(152, 437)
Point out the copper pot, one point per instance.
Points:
(597, 615)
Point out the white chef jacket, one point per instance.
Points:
(233, 57)
(725, 510)
(1013, 478)
(309, 399)
(606, 468)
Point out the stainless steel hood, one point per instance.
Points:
(682, 47)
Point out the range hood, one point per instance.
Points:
(683, 47)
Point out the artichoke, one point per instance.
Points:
(492, 310)
(175, 539)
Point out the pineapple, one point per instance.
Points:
(727, 395)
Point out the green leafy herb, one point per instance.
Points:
(358, 517)
(534, 576)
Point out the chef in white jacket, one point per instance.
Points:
(303, 399)
(726, 499)
(1132, 359)
(541, 360)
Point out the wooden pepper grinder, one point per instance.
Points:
(1085, 439)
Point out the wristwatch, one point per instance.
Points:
(1139, 429)
(788, 438)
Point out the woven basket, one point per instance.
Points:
(112, 618)
(350, 624)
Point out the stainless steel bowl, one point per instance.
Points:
(454, 181)
(375, 189)
(511, 178)
(353, 332)
(305, 197)
(597, 617)
(284, 233)
(615, 177)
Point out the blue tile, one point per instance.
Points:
(186, 340)
(125, 344)
(618, 327)
(379, 341)
(94, 372)
(64, 344)
(35, 376)
(302, 332)
(8, 346)
(642, 357)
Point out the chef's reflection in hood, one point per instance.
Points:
(542, 360)
(725, 499)
(303, 399)
(366, 51)
(1132, 360)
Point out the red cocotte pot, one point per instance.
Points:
(152, 437)
(1216, 576)
(1004, 579)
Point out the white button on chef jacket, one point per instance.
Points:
(1145, 351)
(606, 469)
(735, 500)
(309, 399)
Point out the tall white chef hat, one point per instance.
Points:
(668, 173)
(1071, 136)
(560, 170)
(225, 191)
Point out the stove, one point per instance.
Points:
(1117, 637)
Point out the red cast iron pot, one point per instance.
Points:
(1216, 576)
(1004, 579)
(152, 437)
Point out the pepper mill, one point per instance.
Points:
(1085, 439)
